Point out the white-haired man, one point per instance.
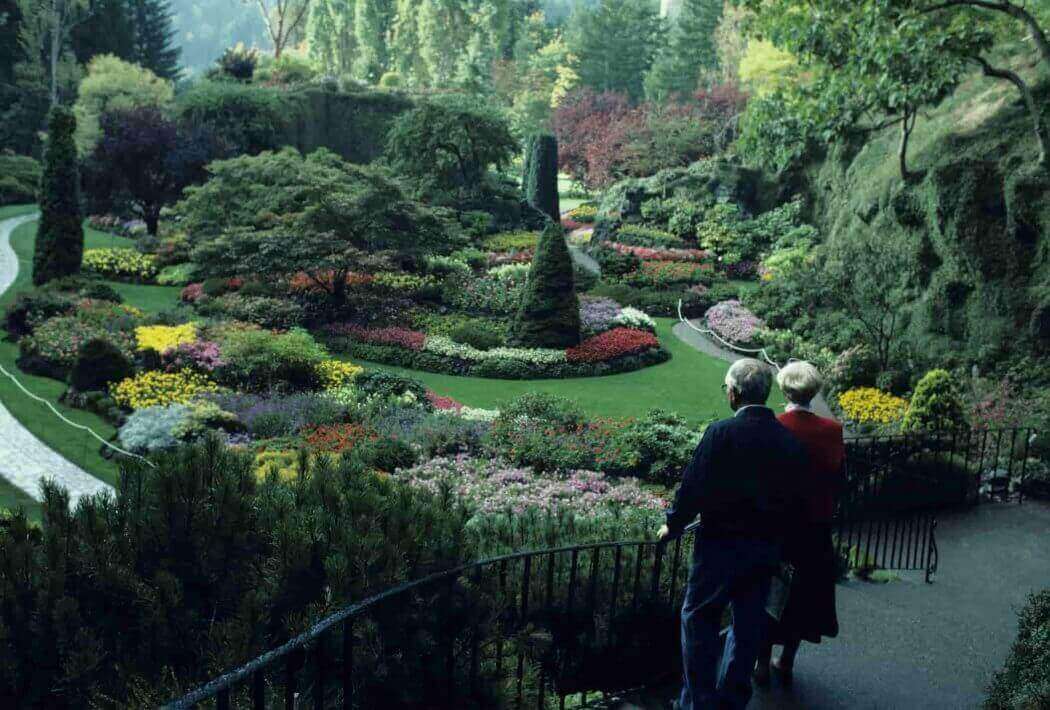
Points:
(740, 482)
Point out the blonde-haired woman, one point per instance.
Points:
(810, 611)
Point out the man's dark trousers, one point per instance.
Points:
(725, 570)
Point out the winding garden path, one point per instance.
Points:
(24, 459)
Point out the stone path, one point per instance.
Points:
(24, 459)
(907, 644)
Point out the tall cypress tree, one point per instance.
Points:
(370, 32)
(690, 50)
(549, 316)
(541, 177)
(615, 42)
(60, 237)
(154, 37)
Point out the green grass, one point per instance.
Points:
(564, 187)
(689, 384)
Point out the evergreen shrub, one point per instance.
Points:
(60, 236)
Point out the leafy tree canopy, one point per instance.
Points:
(113, 84)
(449, 144)
(279, 213)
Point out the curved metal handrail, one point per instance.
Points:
(245, 672)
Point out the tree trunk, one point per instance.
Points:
(56, 49)
(152, 219)
(907, 125)
(1038, 127)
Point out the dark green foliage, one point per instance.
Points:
(385, 384)
(385, 454)
(541, 176)
(98, 364)
(477, 334)
(248, 119)
(238, 63)
(109, 28)
(32, 308)
(19, 179)
(10, 48)
(447, 145)
(690, 51)
(1024, 682)
(615, 263)
(60, 237)
(615, 41)
(155, 47)
(352, 124)
(549, 316)
(195, 559)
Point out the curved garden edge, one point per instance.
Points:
(438, 364)
(24, 458)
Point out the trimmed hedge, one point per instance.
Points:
(500, 369)
(19, 179)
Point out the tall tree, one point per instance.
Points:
(155, 47)
(109, 29)
(10, 48)
(690, 50)
(59, 244)
(331, 35)
(549, 316)
(370, 19)
(404, 45)
(45, 32)
(616, 42)
(284, 19)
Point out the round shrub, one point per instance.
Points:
(387, 385)
(385, 454)
(936, 404)
(99, 363)
(152, 428)
(477, 334)
(34, 307)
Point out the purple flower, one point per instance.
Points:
(597, 314)
(733, 322)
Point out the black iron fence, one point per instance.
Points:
(534, 628)
(523, 630)
(895, 486)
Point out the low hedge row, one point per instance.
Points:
(502, 369)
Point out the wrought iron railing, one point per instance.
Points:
(527, 629)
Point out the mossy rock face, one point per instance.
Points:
(703, 182)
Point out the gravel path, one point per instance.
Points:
(24, 459)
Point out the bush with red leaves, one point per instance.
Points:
(401, 337)
(612, 344)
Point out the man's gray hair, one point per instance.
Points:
(751, 380)
(800, 381)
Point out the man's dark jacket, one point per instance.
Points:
(744, 479)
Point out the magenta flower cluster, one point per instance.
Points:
(493, 487)
(199, 355)
(733, 322)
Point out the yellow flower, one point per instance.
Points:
(165, 337)
(335, 374)
(155, 388)
(870, 405)
(120, 262)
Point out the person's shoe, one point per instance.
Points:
(761, 675)
(785, 673)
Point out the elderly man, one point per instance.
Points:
(741, 481)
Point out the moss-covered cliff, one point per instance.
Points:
(976, 218)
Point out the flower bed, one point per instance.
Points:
(121, 264)
(492, 488)
(612, 344)
(664, 274)
(156, 388)
(660, 254)
(867, 405)
(733, 322)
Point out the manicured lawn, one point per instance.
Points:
(12, 497)
(564, 187)
(689, 384)
(77, 446)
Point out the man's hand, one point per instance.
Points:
(663, 533)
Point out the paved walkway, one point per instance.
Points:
(907, 644)
(24, 459)
(706, 345)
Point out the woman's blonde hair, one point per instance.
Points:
(800, 381)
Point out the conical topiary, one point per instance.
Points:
(60, 236)
(541, 175)
(549, 316)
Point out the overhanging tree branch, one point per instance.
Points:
(1026, 93)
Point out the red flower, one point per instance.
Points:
(612, 344)
(443, 403)
(401, 337)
